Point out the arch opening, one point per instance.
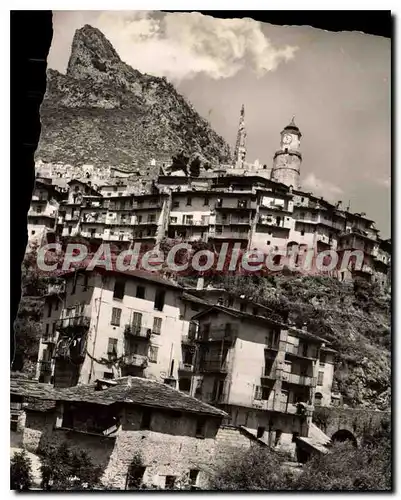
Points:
(342, 435)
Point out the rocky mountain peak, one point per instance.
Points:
(90, 51)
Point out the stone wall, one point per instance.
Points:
(356, 421)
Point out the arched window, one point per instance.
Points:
(318, 399)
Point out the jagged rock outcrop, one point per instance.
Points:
(104, 112)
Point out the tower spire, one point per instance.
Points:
(240, 145)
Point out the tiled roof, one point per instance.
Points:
(138, 273)
(128, 390)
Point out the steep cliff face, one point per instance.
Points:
(104, 112)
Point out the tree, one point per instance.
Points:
(21, 472)
(255, 468)
(194, 167)
(64, 470)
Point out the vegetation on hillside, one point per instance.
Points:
(345, 468)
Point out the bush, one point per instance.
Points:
(20, 472)
(253, 469)
(65, 470)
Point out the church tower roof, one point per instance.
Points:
(291, 127)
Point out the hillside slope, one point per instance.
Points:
(104, 112)
(354, 317)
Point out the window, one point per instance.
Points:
(54, 328)
(56, 305)
(266, 391)
(140, 292)
(322, 361)
(47, 329)
(243, 307)
(157, 326)
(176, 204)
(200, 428)
(170, 482)
(119, 289)
(32, 232)
(193, 476)
(278, 436)
(303, 232)
(320, 376)
(116, 316)
(159, 300)
(268, 242)
(318, 399)
(185, 385)
(135, 477)
(108, 375)
(173, 220)
(146, 419)
(14, 422)
(260, 432)
(49, 311)
(151, 218)
(112, 346)
(294, 436)
(258, 392)
(206, 201)
(189, 201)
(139, 219)
(153, 350)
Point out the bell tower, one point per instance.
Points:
(287, 160)
(240, 145)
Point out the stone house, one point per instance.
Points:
(168, 435)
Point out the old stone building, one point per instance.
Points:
(137, 430)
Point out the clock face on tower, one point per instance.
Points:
(287, 139)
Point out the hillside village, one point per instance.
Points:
(189, 371)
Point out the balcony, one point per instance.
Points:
(73, 323)
(231, 235)
(282, 407)
(139, 332)
(294, 378)
(298, 351)
(93, 220)
(270, 374)
(137, 360)
(217, 366)
(45, 367)
(49, 339)
(222, 334)
(119, 222)
(186, 367)
(190, 222)
(227, 221)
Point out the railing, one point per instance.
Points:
(93, 220)
(136, 360)
(55, 289)
(72, 322)
(232, 220)
(231, 235)
(138, 331)
(147, 205)
(281, 407)
(45, 366)
(146, 222)
(218, 334)
(294, 378)
(213, 367)
(119, 222)
(186, 367)
(298, 351)
(42, 213)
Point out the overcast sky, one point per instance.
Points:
(336, 84)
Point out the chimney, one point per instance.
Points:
(201, 283)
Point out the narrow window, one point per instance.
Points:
(260, 432)
(49, 312)
(116, 316)
(47, 329)
(136, 323)
(320, 376)
(157, 326)
(56, 305)
(200, 428)
(206, 201)
(189, 201)
(170, 482)
(146, 419)
(135, 477)
(112, 346)
(119, 289)
(294, 436)
(153, 353)
(193, 476)
(86, 281)
(278, 436)
(140, 292)
(159, 300)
